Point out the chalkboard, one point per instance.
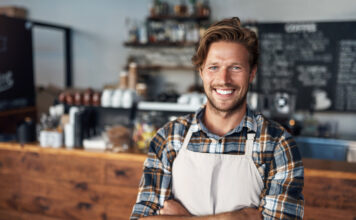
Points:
(16, 64)
(316, 61)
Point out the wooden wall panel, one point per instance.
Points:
(58, 184)
(38, 165)
(42, 184)
(317, 213)
(66, 209)
(65, 190)
(15, 215)
(82, 191)
(330, 193)
(123, 173)
(10, 215)
(116, 195)
(10, 161)
(30, 216)
(123, 199)
(80, 169)
(63, 167)
(9, 185)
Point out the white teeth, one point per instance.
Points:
(223, 92)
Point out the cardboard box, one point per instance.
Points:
(12, 11)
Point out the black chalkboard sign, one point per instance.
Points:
(16, 65)
(316, 61)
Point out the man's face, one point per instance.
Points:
(226, 75)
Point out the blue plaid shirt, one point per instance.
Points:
(275, 155)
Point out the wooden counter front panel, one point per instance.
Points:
(123, 173)
(57, 185)
(63, 167)
(38, 185)
(332, 193)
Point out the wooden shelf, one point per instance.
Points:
(162, 67)
(161, 44)
(17, 111)
(178, 18)
(167, 107)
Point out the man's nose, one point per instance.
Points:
(224, 75)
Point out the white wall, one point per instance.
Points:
(99, 32)
(286, 10)
(99, 28)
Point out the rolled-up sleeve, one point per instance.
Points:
(155, 184)
(282, 197)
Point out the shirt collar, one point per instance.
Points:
(249, 122)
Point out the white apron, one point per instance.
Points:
(209, 184)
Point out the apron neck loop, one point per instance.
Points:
(187, 138)
(249, 144)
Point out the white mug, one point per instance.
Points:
(72, 112)
(69, 135)
(106, 98)
(184, 99)
(128, 98)
(195, 99)
(116, 98)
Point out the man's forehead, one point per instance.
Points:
(230, 62)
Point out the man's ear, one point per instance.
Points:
(253, 73)
(201, 73)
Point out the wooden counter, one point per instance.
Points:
(52, 184)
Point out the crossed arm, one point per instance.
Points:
(174, 210)
(280, 199)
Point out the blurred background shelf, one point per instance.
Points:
(163, 67)
(170, 107)
(178, 18)
(161, 44)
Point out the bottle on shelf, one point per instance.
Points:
(159, 8)
(132, 30)
(181, 9)
(88, 97)
(203, 8)
(132, 76)
(142, 33)
(124, 80)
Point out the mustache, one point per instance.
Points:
(225, 85)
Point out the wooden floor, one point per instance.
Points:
(58, 184)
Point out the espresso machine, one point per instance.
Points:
(278, 106)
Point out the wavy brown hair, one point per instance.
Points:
(227, 30)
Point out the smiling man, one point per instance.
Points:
(224, 161)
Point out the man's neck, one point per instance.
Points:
(220, 123)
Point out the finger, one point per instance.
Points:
(162, 211)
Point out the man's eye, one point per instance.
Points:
(235, 68)
(213, 68)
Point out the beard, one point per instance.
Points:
(236, 105)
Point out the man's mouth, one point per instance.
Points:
(224, 91)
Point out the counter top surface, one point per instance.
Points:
(78, 152)
(313, 167)
(347, 140)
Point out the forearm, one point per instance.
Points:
(282, 196)
(248, 213)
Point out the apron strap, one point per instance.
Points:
(187, 138)
(249, 144)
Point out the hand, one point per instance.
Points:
(173, 207)
(250, 213)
